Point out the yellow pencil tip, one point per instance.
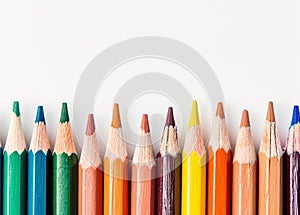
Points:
(194, 118)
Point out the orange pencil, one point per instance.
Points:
(143, 173)
(90, 175)
(219, 167)
(270, 168)
(116, 170)
(244, 171)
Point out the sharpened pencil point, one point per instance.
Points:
(245, 122)
(90, 126)
(16, 108)
(220, 111)
(194, 118)
(170, 117)
(270, 114)
(40, 115)
(145, 123)
(64, 117)
(295, 118)
(116, 120)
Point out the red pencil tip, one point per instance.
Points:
(170, 117)
(245, 122)
(145, 123)
(90, 126)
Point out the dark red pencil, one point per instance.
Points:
(169, 170)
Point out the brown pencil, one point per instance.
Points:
(270, 168)
(90, 176)
(116, 170)
(244, 171)
(143, 173)
(219, 167)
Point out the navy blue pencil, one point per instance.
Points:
(39, 169)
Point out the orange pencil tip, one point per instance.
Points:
(245, 122)
(220, 111)
(116, 120)
(270, 114)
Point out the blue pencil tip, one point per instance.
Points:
(295, 118)
(40, 115)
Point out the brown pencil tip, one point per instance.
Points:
(145, 123)
(245, 119)
(270, 114)
(116, 120)
(170, 117)
(90, 126)
(220, 111)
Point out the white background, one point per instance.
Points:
(253, 47)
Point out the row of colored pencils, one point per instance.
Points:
(175, 181)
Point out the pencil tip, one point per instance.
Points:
(194, 118)
(90, 126)
(170, 117)
(145, 123)
(220, 111)
(64, 117)
(245, 122)
(16, 108)
(116, 120)
(270, 114)
(295, 118)
(40, 117)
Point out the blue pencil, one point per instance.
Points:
(39, 156)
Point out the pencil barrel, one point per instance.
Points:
(65, 182)
(193, 184)
(14, 183)
(291, 187)
(219, 182)
(168, 184)
(38, 194)
(1, 177)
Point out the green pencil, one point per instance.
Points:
(14, 167)
(65, 168)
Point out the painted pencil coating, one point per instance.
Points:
(244, 171)
(1, 176)
(219, 168)
(65, 169)
(143, 174)
(14, 167)
(194, 168)
(39, 162)
(270, 168)
(169, 170)
(116, 170)
(291, 165)
(90, 186)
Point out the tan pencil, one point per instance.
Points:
(90, 175)
(244, 171)
(270, 168)
(143, 173)
(116, 170)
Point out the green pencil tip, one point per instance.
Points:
(194, 118)
(16, 108)
(64, 117)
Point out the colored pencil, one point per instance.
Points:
(39, 162)
(270, 168)
(194, 168)
(219, 167)
(169, 170)
(143, 173)
(244, 171)
(90, 186)
(1, 176)
(65, 168)
(116, 170)
(14, 167)
(291, 164)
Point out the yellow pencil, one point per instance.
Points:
(194, 168)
